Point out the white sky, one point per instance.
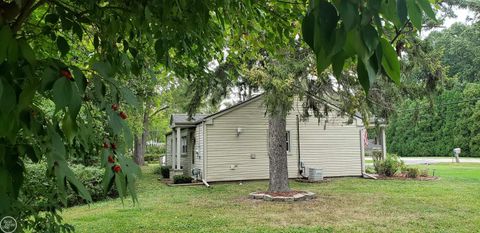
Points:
(463, 16)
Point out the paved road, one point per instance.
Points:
(432, 160)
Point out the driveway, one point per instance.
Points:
(431, 160)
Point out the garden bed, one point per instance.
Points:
(405, 177)
(170, 182)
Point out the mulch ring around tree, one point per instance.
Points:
(290, 196)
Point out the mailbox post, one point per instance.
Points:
(456, 154)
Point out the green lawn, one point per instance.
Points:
(451, 204)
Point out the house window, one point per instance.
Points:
(183, 143)
(287, 136)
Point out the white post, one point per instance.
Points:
(174, 149)
(178, 147)
(362, 150)
(384, 142)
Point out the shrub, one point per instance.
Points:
(37, 186)
(369, 170)
(376, 155)
(165, 171)
(157, 170)
(389, 166)
(413, 172)
(151, 157)
(182, 179)
(424, 172)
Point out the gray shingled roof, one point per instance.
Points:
(183, 118)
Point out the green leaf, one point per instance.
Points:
(69, 127)
(62, 45)
(415, 14)
(338, 62)
(77, 29)
(103, 68)
(363, 76)
(28, 150)
(80, 79)
(129, 96)
(8, 98)
(115, 122)
(51, 18)
(108, 178)
(349, 13)
(402, 11)
(390, 62)
(308, 25)
(160, 50)
(120, 184)
(28, 93)
(427, 8)
(5, 37)
(76, 185)
(12, 50)
(75, 101)
(389, 12)
(369, 37)
(48, 78)
(58, 148)
(1, 88)
(27, 51)
(62, 90)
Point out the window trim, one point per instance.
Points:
(288, 141)
(183, 145)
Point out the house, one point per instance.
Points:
(232, 144)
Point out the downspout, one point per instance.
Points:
(299, 164)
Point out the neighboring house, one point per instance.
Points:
(233, 145)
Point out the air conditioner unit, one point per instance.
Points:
(315, 174)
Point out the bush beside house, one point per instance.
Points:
(37, 186)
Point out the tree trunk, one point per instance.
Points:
(141, 142)
(138, 154)
(277, 153)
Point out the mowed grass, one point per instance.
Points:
(451, 204)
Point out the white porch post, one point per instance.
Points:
(174, 149)
(178, 147)
(384, 142)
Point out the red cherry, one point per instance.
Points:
(114, 107)
(123, 115)
(66, 74)
(117, 168)
(105, 145)
(111, 159)
(114, 147)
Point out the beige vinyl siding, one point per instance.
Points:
(198, 151)
(336, 148)
(226, 149)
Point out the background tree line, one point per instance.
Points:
(448, 117)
